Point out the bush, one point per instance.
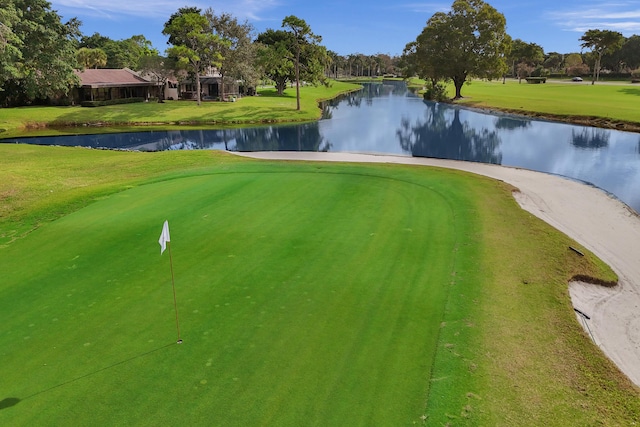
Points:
(437, 92)
(540, 71)
(112, 102)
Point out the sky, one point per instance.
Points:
(358, 26)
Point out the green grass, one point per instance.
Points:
(570, 100)
(266, 108)
(309, 294)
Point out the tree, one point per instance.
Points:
(525, 57)
(240, 53)
(176, 39)
(469, 40)
(40, 52)
(91, 58)
(627, 58)
(553, 61)
(302, 38)
(277, 57)
(572, 60)
(160, 69)
(416, 62)
(198, 48)
(10, 43)
(601, 42)
(124, 53)
(274, 57)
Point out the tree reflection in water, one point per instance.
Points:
(511, 123)
(440, 137)
(590, 138)
(304, 137)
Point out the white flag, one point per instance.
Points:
(164, 237)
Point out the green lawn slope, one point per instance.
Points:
(267, 107)
(308, 294)
(608, 105)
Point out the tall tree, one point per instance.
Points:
(176, 39)
(303, 37)
(601, 42)
(274, 57)
(240, 53)
(198, 48)
(160, 69)
(10, 43)
(625, 59)
(469, 40)
(42, 50)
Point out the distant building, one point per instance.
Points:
(210, 86)
(104, 84)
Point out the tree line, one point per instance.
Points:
(39, 53)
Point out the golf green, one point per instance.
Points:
(309, 295)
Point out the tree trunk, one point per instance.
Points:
(222, 86)
(161, 94)
(596, 69)
(298, 78)
(198, 86)
(458, 82)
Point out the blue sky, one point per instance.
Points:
(357, 26)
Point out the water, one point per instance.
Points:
(389, 119)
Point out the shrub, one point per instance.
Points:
(436, 92)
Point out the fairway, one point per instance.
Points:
(306, 297)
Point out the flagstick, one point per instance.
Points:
(173, 283)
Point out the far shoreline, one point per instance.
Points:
(40, 129)
(590, 121)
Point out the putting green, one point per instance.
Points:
(309, 296)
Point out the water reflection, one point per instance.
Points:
(269, 138)
(590, 138)
(511, 123)
(281, 138)
(441, 136)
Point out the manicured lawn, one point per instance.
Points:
(309, 294)
(608, 101)
(268, 107)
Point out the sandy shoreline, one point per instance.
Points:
(599, 222)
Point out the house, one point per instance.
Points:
(210, 87)
(103, 84)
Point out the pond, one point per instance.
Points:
(387, 118)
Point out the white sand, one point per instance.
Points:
(599, 222)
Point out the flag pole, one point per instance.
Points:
(173, 283)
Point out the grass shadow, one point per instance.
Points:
(8, 402)
(272, 93)
(630, 91)
(12, 401)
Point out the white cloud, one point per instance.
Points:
(622, 17)
(242, 9)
